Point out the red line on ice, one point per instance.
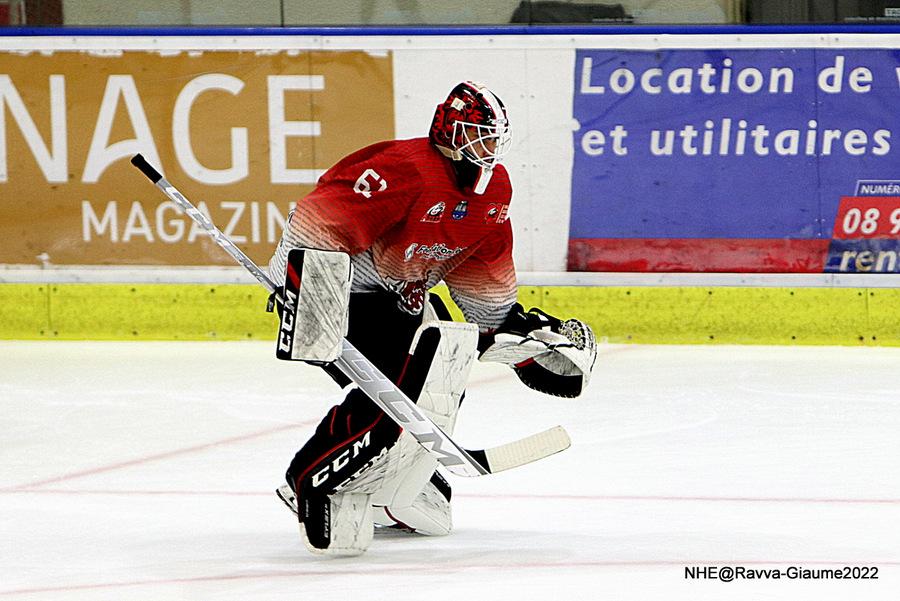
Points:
(156, 457)
(432, 568)
(526, 497)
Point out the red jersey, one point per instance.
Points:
(396, 209)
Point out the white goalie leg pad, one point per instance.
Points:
(406, 497)
(441, 357)
(314, 315)
(350, 522)
(351, 526)
(452, 347)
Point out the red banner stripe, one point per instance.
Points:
(740, 255)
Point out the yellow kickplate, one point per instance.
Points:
(652, 315)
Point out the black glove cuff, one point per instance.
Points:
(520, 322)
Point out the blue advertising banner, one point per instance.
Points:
(729, 160)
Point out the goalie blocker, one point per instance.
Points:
(314, 315)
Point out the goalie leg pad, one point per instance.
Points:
(334, 521)
(437, 371)
(337, 525)
(356, 432)
(404, 486)
(435, 375)
(413, 495)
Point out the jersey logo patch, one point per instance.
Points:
(364, 187)
(461, 210)
(412, 296)
(496, 213)
(435, 213)
(436, 252)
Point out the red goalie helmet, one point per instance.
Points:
(472, 124)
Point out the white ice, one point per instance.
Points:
(145, 471)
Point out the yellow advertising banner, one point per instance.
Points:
(242, 134)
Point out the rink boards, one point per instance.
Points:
(618, 314)
(763, 151)
(738, 150)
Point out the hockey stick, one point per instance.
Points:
(384, 393)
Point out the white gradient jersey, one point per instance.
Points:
(395, 208)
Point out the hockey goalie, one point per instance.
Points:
(381, 228)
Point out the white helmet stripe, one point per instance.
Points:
(492, 101)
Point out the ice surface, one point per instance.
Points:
(145, 471)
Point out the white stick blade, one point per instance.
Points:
(526, 450)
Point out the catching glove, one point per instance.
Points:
(551, 356)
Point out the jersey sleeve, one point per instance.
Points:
(354, 203)
(484, 285)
